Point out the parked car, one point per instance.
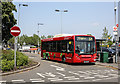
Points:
(115, 50)
(109, 50)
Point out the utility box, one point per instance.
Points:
(104, 57)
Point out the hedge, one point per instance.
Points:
(8, 60)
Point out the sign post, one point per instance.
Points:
(115, 32)
(15, 31)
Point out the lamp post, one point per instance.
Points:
(19, 11)
(61, 11)
(38, 32)
(19, 14)
(116, 36)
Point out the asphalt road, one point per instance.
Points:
(52, 71)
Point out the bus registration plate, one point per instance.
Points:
(86, 61)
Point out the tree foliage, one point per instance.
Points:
(8, 20)
(107, 36)
(32, 40)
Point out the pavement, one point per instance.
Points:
(109, 65)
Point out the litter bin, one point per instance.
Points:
(104, 57)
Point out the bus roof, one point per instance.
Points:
(63, 38)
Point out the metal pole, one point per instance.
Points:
(15, 49)
(18, 14)
(115, 35)
(61, 22)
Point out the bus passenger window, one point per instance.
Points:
(70, 46)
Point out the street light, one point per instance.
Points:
(38, 32)
(116, 36)
(19, 14)
(19, 11)
(61, 11)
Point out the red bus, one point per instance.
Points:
(70, 49)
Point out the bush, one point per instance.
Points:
(8, 60)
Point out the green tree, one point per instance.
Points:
(50, 36)
(8, 20)
(107, 36)
(43, 37)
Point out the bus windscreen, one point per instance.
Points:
(85, 45)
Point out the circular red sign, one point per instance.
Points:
(15, 31)
(117, 25)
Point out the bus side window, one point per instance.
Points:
(70, 46)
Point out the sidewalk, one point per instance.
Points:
(111, 65)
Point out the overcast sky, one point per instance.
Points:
(81, 18)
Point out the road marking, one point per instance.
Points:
(89, 77)
(60, 74)
(96, 79)
(41, 75)
(82, 72)
(101, 76)
(74, 73)
(58, 68)
(21, 80)
(73, 81)
(116, 75)
(2, 81)
(71, 78)
(37, 80)
(54, 79)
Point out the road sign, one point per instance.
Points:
(15, 31)
(115, 28)
(117, 25)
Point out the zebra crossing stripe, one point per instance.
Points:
(60, 74)
(41, 75)
(18, 80)
(2, 81)
(54, 79)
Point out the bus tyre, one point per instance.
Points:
(63, 59)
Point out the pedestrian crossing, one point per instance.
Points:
(69, 76)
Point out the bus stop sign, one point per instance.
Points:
(15, 31)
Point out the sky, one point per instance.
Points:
(81, 18)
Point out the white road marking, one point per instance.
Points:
(41, 75)
(101, 76)
(54, 79)
(50, 74)
(73, 81)
(71, 78)
(74, 73)
(113, 74)
(94, 73)
(60, 74)
(21, 80)
(96, 79)
(58, 68)
(89, 77)
(2, 81)
(82, 72)
(37, 80)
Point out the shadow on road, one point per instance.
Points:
(73, 64)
